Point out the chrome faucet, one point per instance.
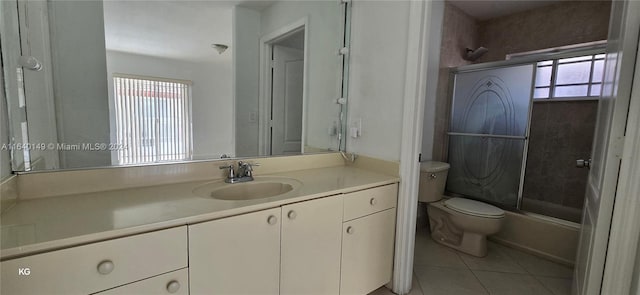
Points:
(244, 172)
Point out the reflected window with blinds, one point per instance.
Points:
(153, 119)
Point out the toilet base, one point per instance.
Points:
(470, 243)
(471, 240)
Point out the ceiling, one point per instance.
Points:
(484, 10)
(181, 30)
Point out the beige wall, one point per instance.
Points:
(459, 31)
(566, 23)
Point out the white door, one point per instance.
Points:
(13, 80)
(606, 152)
(38, 85)
(286, 100)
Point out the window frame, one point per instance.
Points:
(556, 54)
(553, 83)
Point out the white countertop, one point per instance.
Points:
(45, 224)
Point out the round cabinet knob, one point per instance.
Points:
(350, 229)
(106, 267)
(173, 286)
(272, 220)
(292, 214)
(373, 201)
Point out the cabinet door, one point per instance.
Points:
(367, 252)
(311, 241)
(175, 282)
(236, 255)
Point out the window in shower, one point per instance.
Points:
(566, 78)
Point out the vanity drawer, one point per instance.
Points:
(175, 282)
(365, 202)
(96, 267)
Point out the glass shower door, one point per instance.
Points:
(488, 133)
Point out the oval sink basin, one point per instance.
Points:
(260, 188)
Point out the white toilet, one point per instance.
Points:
(459, 223)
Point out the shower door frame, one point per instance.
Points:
(525, 137)
(533, 59)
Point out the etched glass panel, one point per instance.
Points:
(493, 101)
(487, 106)
(486, 168)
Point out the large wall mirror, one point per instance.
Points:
(107, 83)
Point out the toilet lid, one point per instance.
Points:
(433, 166)
(474, 208)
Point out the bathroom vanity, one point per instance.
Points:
(332, 233)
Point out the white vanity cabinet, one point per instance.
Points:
(294, 249)
(236, 255)
(96, 267)
(339, 244)
(368, 239)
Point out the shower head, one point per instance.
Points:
(472, 55)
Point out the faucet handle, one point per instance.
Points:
(248, 168)
(231, 170)
(247, 164)
(250, 165)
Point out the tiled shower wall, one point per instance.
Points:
(565, 23)
(561, 133)
(459, 31)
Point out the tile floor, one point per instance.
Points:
(439, 270)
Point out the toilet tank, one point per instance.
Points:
(433, 178)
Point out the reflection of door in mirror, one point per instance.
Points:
(25, 38)
(10, 40)
(286, 98)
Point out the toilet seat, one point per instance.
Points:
(474, 208)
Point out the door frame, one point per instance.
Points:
(264, 97)
(625, 227)
(625, 224)
(624, 233)
(422, 63)
(609, 269)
